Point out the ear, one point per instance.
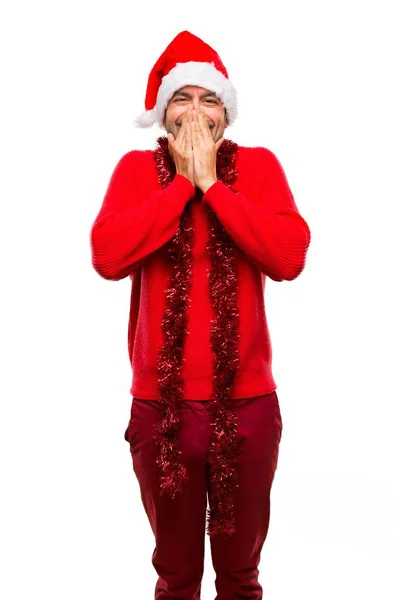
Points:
(226, 118)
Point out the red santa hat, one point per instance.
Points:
(187, 60)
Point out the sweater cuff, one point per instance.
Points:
(183, 186)
(213, 191)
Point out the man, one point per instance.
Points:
(198, 224)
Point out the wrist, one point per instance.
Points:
(205, 185)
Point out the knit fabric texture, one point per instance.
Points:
(128, 239)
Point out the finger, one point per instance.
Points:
(195, 133)
(198, 134)
(202, 125)
(182, 136)
(207, 124)
(188, 135)
(181, 133)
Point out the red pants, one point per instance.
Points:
(179, 524)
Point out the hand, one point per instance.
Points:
(204, 151)
(181, 149)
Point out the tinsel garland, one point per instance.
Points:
(224, 338)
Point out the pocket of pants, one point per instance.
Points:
(131, 433)
(278, 415)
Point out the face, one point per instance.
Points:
(193, 96)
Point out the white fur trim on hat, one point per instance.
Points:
(202, 74)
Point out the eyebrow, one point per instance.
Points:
(178, 93)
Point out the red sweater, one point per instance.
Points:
(138, 217)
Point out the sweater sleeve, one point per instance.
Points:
(270, 231)
(133, 220)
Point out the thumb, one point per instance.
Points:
(219, 142)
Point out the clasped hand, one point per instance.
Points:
(194, 149)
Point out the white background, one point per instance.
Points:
(327, 86)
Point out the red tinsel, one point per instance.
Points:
(224, 338)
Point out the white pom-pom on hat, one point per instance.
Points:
(146, 119)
